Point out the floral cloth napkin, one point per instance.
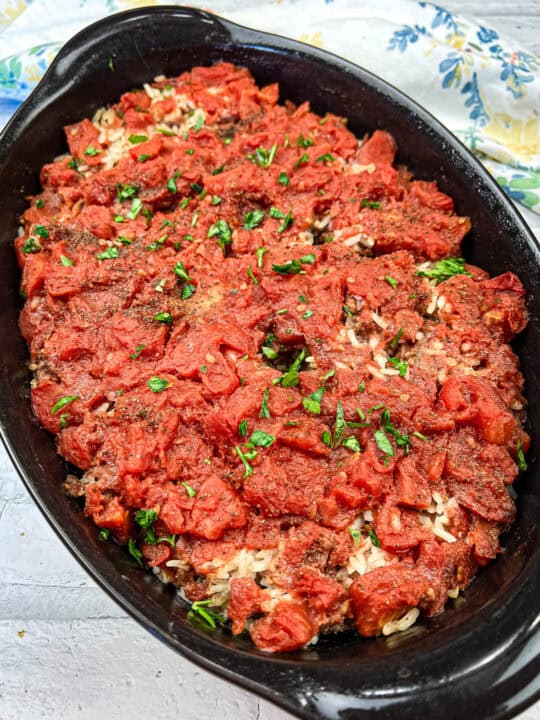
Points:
(481, 85)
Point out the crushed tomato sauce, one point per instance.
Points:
(255, 337)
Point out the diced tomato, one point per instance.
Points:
(383, 595)
(216, 508)
(244, 601)
(287, 627)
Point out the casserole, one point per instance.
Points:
(487, 647)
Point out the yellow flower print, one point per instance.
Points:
(521, 137)
(12, 11)
(33, 74)
(456, 41)
(313, 39)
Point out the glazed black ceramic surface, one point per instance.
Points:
(480, 659)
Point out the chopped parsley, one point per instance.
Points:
(198, 123)
(248, 470)
(260, 438)
(109, 254)
(171, 182)
(251, 276)
(283, 179)
(325, 158)
(64, 417)
(242, 428)
(145, 518)
(65, 261)
(164, 131)
(134, 551)
(288, 220)
(104, 534)
(190, 491)
(222, 232)
(290, 378)
(391, 281)
(143, 157)
(125, 192)
(444, 269)
(302, 160)
(304, 142)
(294, 267)
(40, 203)
(216, 200)
(164, 317)
(138, 351)
(262, 157)
(326, 437)
(180, 270)
(187, 291)
(340, 424)
(400, 365)
(42, 231)
(397, 338)
(307, 314)
(136, 139)
(212, 619)
(92, 151)
(351, 443)
(265, 412)
(253, 219)
(218, 170)
(157, 384)
(312, 403)
(136, 207)
(373, 537)
(375, 204)
(31, 246)
(62, 402)
(522, 463)
(355, 534)
(259, 252)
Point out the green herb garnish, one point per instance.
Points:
(375, 204)
(259, 438)
(157, 384)
(253, 218)
(223, 234)
(190, 491)
(265, 412)
(62, 402)
(444, 269)
(135, 552)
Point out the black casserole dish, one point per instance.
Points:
(483, 650)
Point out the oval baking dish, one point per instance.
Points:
(485, 649)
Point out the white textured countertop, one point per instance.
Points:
(67, 650)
